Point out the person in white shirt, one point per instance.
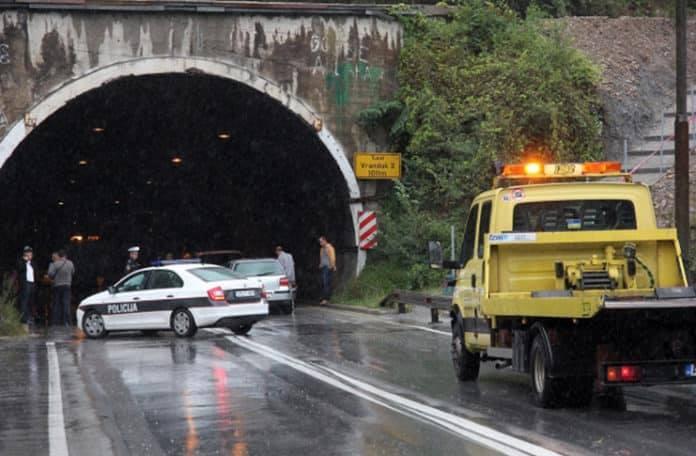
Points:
(27, 286)
(288, 263)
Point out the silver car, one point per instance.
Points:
(269, 272)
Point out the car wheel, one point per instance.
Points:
(183, 324)
(242, 330)
(93, 325)
(288, 308)
(466, 364)
(547, 391)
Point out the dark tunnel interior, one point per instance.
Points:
(174, 164)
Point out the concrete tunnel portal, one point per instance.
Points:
(175, 163)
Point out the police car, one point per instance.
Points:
(180, 297)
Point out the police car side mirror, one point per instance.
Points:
(111, 290)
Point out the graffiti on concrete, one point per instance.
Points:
(3, 121)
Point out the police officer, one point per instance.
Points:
(133, 264)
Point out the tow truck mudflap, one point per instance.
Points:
(664, 298)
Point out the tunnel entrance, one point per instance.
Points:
(175, 163)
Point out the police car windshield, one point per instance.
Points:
(214, 274)
(574, 215)
(259, 268)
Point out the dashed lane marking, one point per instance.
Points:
(474, 432)
(57, 442)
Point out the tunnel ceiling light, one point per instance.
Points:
(61, 203)
(223, 135)
(76, 238)
(177, 160)
(117, 202)
(149, 182)
(98, 129)
(82, 162)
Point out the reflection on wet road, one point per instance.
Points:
(319, 382)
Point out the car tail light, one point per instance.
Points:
(625, 374)
(284, 282)
(264, 295)
(216, 294)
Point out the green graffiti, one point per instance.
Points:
(340, 82)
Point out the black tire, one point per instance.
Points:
(466, 364)
(93, 325)
(547, 391)
(580, 391)
(242, 330)
(183, 324)
(287, 308)
(149, 332)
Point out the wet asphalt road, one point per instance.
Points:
(319, 382)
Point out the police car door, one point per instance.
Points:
(122, 308)
(163, 295)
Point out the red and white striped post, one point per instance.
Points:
(367, 229)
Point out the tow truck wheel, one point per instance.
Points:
(546, 389)
(466, 364)
(580, 391)
(183, 324)
(93, 325)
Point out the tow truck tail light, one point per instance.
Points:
(216, 294)
(284, 282)
(624, 374)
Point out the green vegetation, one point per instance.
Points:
(9, 316)
(480, 88)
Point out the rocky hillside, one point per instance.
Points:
(637, 55)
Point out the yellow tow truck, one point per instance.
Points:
(564, 275)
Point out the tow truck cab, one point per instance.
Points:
(564, 275)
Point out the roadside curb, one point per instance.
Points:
(358, 309)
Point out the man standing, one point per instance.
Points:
(61, 271)
(133, 264)
(327, 265)
(27, 286)
(288, 263)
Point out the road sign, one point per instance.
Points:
(367, 229)
(377, 165)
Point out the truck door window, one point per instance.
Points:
(574, 215)
(484, 226)
(469, 235)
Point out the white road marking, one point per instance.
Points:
(57, 442)
(463, 427)
(423, 328)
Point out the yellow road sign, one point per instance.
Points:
(369, 165)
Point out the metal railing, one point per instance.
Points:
(435, 303)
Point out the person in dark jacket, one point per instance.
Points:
(27, 275)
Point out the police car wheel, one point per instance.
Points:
(242, 330)
(93, 325)
(183, 324)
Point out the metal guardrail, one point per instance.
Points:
(402, 298)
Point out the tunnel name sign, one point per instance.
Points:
(377, 165)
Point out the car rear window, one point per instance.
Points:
(259, 268)
(214, 274)
(574, 215)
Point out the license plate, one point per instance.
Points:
(245, 293)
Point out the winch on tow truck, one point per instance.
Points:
(564, 275)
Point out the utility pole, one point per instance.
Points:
(681, 137)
